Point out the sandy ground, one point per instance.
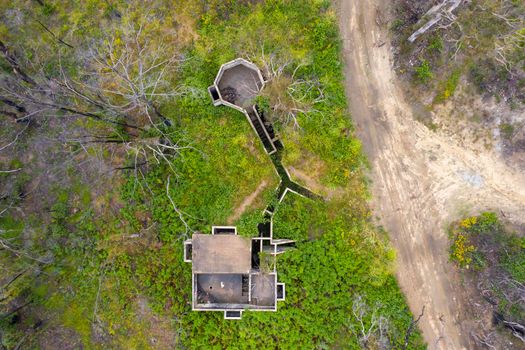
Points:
(421, 179)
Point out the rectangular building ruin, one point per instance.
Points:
(231, 273)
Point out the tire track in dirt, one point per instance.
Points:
(421, 180)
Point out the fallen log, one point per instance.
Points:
(436, 14)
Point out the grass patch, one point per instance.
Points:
(423, 72)
(506, 130)
(448, 87)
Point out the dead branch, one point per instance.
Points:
(511, 22)
(438, 13)
(53, 35)
(518, 330)
(412, 326)
(10, 171)
(15, 66)
(4, 316)
(20, 253)
(178, 211)
(482, 340)
(289, 96)
(15, 139)
(14, 278)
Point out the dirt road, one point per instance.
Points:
(421, 179)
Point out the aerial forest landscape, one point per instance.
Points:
(262, 174)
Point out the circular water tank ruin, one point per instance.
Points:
(237, 84)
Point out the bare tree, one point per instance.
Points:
(120, 80)
(128, 73)
(182, 215)
(373, 328)
(507, 46)
(37, 94)
(288, 95)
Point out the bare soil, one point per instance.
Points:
(421, 180)
(57, 337)
(246, 203)
(304, 178)
(159, 328)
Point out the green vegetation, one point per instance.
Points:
(484, 38)
(448, 87)
(435, 45)
(424, 72)
(494, 259)
(396, 24)
(101, 260)
(507, 130)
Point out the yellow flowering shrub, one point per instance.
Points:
(468, 222)
(461, 248)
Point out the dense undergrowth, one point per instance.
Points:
(493, 258)
(482, 42)
(109, 252)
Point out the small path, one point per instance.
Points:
(248, 200)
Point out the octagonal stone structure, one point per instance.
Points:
(237, 84)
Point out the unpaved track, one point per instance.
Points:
(421, 179)
(247, 202)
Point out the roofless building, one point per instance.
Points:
(231, 273)
(237, 84)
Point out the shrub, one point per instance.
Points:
(424, 72)
(461, 250)
(506, 130)
(478, 74)
(448, 87)
(435, 45)
(497, 257)
(396, 24)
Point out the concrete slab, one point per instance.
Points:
(226, 254)
(220, 289)
(263, 289)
